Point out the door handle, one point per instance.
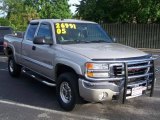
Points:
(33, 47)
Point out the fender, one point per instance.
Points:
(10, 46)
(69, 63)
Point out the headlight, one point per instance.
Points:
(97, 70)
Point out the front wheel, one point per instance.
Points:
(67, 91)
(13, 68)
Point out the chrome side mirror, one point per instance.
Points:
(114, 39)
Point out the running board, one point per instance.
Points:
(39, 78)
(49, 84)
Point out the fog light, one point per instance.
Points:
(129, 91)
(103, 96)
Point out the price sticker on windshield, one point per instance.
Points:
(61, 27)
(58, 26)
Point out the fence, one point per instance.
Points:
(135, 35)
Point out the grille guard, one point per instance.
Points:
(127, 79)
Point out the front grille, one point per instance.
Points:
(138, 68)
(118, 70)
(132, 72)
(135, 69)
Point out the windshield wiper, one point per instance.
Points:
(98, 41)
(83, 41)
(92, 41)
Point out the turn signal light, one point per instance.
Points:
(90, 74)
(89, 65)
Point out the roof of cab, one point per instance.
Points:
(62, 20)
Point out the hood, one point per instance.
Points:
(104, 50)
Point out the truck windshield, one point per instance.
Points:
(73, 33)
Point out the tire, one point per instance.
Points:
(67, 91)
(13, 68)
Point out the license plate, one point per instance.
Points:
(137, 91)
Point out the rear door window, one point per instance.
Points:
(31, 31)
(45, 31)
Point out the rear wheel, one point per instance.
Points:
(67, 91)
(13, 68)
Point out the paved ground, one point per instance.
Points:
(26, 99)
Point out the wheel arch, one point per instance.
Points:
(62, 68)
(9, 51)
(65, 65)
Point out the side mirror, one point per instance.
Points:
(114, 39)
(41, 41)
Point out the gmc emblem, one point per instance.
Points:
(134, 70)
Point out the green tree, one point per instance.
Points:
(87, 9)
(19, 12)
(51, 8)
(125, 11)
(61, 9)
(4, 22)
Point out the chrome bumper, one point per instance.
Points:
(103, 91)
(97, 92)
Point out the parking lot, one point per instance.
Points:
(26, 99)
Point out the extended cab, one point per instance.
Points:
(81, 60)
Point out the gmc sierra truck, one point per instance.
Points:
(81, 60)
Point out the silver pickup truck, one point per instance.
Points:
(81, 60)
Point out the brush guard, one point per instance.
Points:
(151, 89)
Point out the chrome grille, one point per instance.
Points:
(118, 70)
(136, 70)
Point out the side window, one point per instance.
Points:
(31, 31)
(45, 31)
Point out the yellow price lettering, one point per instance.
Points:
(59, 31)
(66, 24)
(71, 26)
(62, 25)
(74, 26)
(57, 25)
(63, 31)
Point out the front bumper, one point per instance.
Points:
(103, 91)
(97, 92)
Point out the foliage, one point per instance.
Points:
(4, 22)
(124, 11)
(51, 8)
(20, 12)
(61, 9)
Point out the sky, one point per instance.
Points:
(73, 8)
